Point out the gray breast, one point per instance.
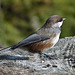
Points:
(55, 30)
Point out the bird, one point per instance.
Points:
(42, 39)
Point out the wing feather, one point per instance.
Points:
(30, 39)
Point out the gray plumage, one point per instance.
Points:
(52, 25)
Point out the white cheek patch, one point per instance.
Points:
(59, 24)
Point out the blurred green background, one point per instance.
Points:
(20, 18)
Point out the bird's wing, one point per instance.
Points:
(31, 39)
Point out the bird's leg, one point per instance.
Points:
(40, 53)
(43, 56)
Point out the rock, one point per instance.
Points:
(61, 60)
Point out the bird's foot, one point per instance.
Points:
(50, 56)
(44, 55)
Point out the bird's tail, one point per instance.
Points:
(5, 49)
(9, 48)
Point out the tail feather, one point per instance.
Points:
(9, 48)
(5, 49)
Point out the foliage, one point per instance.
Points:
(20, 18)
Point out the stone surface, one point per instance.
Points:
(61, 60)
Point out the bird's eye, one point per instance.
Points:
(60, 20)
